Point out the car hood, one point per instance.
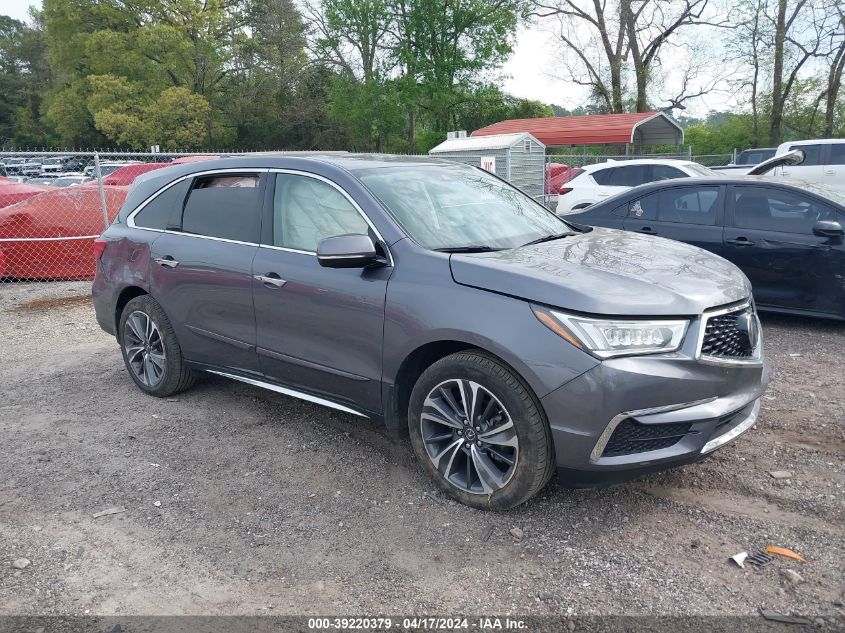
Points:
(608, 272)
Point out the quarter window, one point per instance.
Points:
(224, 206)
(307, 210)
(776, 210)
(603, 176)
(159, 211)
(665, 172)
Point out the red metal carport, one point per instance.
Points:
(639, 129)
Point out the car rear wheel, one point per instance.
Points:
(150, 350)
(477, 429)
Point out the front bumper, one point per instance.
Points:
(635, 415)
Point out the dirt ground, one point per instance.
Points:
(236, 500)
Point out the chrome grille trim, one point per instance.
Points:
(756, 356)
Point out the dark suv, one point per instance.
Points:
(439, 299)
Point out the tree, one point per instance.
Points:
(617, 46)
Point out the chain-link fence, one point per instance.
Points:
(53, 205)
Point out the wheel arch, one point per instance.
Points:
(416, 362)
(126, 295)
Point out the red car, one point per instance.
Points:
(48, 233)
(12, 192)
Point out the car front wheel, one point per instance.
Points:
(478, 431)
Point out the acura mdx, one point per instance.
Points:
(506, 343)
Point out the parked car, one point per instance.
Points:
(824, 163)
(747, 159)
(31, 167)
(12, 192)
(507, 348)
(62, 164)
(70, 180)
(107, 167)
(42, 180)
(13, 166)
(602, 180)
(786, 237)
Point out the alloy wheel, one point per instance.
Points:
(144, 348)
(469, 436)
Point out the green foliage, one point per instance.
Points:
(721, 133)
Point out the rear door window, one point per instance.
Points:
(682, 205)
(224, 206)
(630, 176)
(688, 205)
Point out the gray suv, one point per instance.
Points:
(439, 300)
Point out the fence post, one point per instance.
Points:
(99, 176)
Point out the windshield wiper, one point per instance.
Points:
(469, 248)
(548, 238)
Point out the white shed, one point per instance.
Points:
(518, 158)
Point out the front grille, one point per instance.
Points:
(730, 335)
(632, 437)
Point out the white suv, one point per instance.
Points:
(824, 163)
(602, 180)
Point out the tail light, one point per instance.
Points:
(564, 190)
(99, 247)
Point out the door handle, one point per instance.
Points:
(740, 241)
(167, 262)
(270, 280)
(829, 172)
(648, 229)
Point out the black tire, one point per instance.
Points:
(176, 376)
(534, 463)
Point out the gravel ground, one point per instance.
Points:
(236, 500)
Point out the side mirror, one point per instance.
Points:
(828, 228)
(348, 251)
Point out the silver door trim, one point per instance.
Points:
(289, 392)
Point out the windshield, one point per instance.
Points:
(455, 206)
(701, 170)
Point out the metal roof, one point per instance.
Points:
(480, 143)
(643, 128)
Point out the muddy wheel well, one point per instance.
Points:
(126, 295)
(411, 369)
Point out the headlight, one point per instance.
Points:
(606, 338)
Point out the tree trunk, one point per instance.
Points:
(834, 84)
(777, 75)
(412, 130)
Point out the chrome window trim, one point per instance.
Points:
(604, 438)
(130, 219)
(344, 193)
(756, 359)
(289, 392)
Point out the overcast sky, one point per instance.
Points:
(530, 72)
